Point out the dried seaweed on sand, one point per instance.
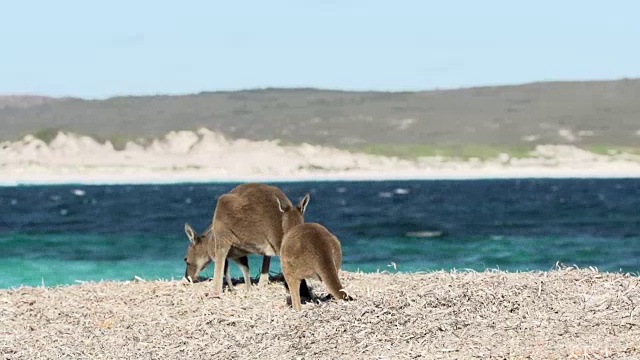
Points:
(565, 313)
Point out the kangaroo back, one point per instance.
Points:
(251, 214)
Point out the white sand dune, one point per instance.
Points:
(206, 156)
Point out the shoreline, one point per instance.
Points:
(204, 156)
(175, 178)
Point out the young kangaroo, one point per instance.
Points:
(198, 257)
(245, 222)
(309, 251)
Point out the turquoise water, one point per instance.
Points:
(67, 234)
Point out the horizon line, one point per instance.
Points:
(302, 87)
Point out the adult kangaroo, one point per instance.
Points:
(245, 222)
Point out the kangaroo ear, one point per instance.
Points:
(303, 203)
(190, 233)
(280, 207)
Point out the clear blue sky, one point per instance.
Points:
(104, 48)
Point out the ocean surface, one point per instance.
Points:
(56, 235)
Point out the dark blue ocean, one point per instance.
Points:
(67, 234)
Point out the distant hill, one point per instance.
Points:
(593, 113)
(23, 101)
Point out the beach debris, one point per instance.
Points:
(480, 314)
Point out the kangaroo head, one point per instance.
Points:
(293, 215)
(197, 255)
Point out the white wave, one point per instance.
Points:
(78, 192)
(424, 234)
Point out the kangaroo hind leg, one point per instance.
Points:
(264, 274)
(243, 261)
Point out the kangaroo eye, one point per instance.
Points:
(185, 259)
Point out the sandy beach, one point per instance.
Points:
(569, 314)
(206, 156)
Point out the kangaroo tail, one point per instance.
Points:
(329, 276)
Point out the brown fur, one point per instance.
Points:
(198, 258)
(245, 222)
(311, 251)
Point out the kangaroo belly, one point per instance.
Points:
(265, 249)
(255, 248)
(236, 253)
(243, 238)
